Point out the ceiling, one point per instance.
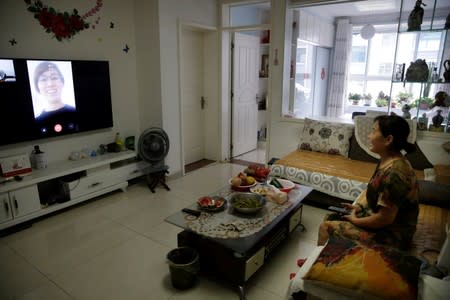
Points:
(385, 8)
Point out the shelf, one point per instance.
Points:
(423, 30)
(62, 168)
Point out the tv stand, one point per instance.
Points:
(63, 184)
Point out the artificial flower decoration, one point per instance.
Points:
(63, 25)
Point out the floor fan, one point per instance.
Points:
(153, 146)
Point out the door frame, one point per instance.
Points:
(205, 29)
(226, 84)
(225, 79)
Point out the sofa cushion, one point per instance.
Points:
(331, 138)
(361, 270)
(417, 159)
(434, 193)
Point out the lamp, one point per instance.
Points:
(367, 32)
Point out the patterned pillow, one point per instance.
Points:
(331, 138)
(352, 268)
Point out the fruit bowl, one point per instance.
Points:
(211, 204)
(263, 189)
(247, 203)
(241, 188)
(287, 185)
(260, 173)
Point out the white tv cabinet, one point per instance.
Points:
(76, 181)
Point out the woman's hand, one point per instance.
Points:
(352, 216)
(350, 207)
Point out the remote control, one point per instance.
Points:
(191, 212)
(340, 210)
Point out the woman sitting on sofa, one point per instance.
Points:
(386, 212)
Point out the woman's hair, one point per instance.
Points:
(440, 99)
(399, 129)
(44, 67)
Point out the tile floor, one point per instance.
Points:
(115, 247)
(258, 155)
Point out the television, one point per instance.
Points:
(42, 98)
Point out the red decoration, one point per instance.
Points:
(322, 74)
(63, 25)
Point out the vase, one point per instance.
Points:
(437, 119)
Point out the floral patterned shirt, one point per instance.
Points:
(396, 184)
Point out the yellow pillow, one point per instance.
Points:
(353, 267)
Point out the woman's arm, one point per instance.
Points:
(385, 216)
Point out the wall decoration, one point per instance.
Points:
(12, 41)
(63, 25)
(126, 49)
(111, 25)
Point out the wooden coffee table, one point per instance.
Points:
(237, 259)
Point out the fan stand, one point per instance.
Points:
(157, 176)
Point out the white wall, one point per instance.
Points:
(102, 43)
(148, 63)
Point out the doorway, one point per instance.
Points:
(198, 94)
(248, 98)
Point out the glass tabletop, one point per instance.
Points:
(245, 243)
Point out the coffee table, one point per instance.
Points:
(237, 259)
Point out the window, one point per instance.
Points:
(304, 83)
(372, 65)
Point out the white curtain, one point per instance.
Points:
(339, 72)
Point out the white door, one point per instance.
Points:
(192, 92)
(244, 130)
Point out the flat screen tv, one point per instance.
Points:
(41, 98)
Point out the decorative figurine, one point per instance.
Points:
(405, 109)
(422, 124)
(447, 70)
(437, 119)
(416, 16)
(417, 71)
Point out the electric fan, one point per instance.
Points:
(153, 146)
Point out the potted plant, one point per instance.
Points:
(424, 103)
(382, 99)
(354, 98)
(380, 102)
(367, 99)
(403, 98)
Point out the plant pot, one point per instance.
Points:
(423, 106)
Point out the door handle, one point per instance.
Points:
(202, 102)
(16, 205)
(94, 184)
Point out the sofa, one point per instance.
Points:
(335, 160)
